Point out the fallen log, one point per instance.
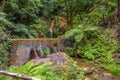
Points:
(16, 75)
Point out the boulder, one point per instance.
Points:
(58, 59)
(62, 65)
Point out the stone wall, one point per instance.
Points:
(23, 50)
(46, 41)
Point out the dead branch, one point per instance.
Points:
(16, 75)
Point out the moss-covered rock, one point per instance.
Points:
(62, 65)
(57, 66)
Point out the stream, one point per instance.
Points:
(98, 72)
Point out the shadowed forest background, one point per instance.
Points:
(92, 34)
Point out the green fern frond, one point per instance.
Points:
(79, 37)
(79, 32)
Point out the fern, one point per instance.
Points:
(49, 71)
(21, 28)
(79, 32)
(39, 71)
(115, 69)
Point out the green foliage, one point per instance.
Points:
(39, 71)
(48, 7)
(22, 17)
(3, 56)
(31, 18)
(48, 71)
(4, 46)
(80, 32)
(23, 11)
(100, 48)
(96, 11)
(3, 77)
(93, 44)
(16, 28)
(69, 51)
(89, 56)
(4, 21)
(46, 50)
(115, 69)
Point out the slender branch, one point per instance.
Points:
(16, 75)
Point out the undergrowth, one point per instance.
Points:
(115, 69)
(3, 49)
(99, 48)
(48, 71)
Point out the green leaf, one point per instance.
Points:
(79, 37)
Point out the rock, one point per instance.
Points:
(62, 65)
(116, 56)
(21, 55)
(99, 70)
(59, 59)
(107, 74)
(88, 70)
(24, 50)
(104, 78)
(40, 61)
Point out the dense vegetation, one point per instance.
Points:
(91, 24)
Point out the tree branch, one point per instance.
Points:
(16, 75)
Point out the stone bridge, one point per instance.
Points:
(47, 41)
(26, 49)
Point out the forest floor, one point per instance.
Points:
(95, 72)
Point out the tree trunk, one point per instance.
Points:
(25, 77)
(3, 5)
(118, 10)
